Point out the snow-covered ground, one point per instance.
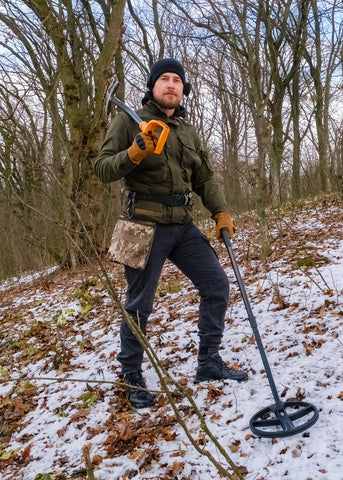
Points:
(61, 326)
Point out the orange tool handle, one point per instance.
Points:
(149, 127)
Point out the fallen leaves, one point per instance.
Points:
(15, 405)
(214, 392)
(137, 437)
(313, 345)
(317, 328)
(321, 384)
(7, 456)
(234, 419)
(175, 469)
(279, 300)
(234, 447)
(145, 458)
(127, 433)
(97, 459)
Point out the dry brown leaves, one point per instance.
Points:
(127, 432)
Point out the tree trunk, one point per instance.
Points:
(295, 112)
(85, 122)
(276, 151)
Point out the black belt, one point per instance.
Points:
(169, 200)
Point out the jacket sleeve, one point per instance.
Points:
(113, 161)
(206, 186)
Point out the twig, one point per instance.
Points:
(313, 280)
(88, 462)
(329, 290)
(162, 374)
(116, 383)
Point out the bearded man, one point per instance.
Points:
(158, 188)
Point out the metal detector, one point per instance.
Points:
(281, 419)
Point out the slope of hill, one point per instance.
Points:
(59, 335)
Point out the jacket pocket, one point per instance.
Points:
(191, 159)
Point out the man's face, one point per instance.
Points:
(168, 91)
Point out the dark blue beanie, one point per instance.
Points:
(164, 66)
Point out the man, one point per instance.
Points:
(160, 186)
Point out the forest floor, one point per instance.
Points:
(60, 395)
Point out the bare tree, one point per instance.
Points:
(323, 55)
(263, 113)
(64, 51)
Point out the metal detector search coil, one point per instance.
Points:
(281, 419)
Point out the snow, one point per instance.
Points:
(299, 313)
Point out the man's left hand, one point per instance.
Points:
(224, 220)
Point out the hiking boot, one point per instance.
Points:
(214, 368)
(138, 398)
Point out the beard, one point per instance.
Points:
(169, 104)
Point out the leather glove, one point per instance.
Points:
(142, 145)
(224, 220)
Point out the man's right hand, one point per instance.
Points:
(224, 220)
(142, 145)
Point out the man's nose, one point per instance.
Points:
(171, 84)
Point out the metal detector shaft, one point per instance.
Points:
(275, 420)
(251, 317)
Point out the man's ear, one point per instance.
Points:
(149, 83)
(187, 89)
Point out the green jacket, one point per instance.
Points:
(183, 164)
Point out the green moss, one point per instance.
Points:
(89, 399)
(86, 299)
(306, 262)
(6, 431)
(62, 317)
(60, 412)
(173, 286)
(7, 454)
(16, 346)
(3, 371)
(86, 309)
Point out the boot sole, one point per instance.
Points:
(207, 379)
(142, 405)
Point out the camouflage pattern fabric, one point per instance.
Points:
(131, 242)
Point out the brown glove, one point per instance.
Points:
(142, 145)
(224, 220)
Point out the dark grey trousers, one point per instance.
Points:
(191, 252)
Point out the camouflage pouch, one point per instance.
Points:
(131, 242)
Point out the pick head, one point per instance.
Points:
(110, 91)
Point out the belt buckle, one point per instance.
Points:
(188, 198)
(130, 205)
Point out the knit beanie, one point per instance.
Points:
(164, 66)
